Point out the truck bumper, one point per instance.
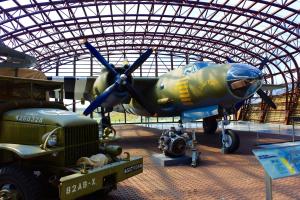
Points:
(78, 184)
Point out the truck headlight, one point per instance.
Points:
(52, 140)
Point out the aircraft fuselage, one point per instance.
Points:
(195, 85)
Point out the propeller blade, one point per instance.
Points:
(134, 94)
(239, 104)
(229, 60)
(100, 99)
(139, 62)
(100, 58)
(266, 98)
(263, 63)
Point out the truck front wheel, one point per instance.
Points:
(16, 183)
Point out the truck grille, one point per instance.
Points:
(80, 141)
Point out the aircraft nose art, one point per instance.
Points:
(244, 80)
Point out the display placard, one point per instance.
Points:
(281, 161)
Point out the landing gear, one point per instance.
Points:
(107, 131)
(210, 125)
(230, 140)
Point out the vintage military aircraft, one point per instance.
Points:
(200, 90)
(15, 59)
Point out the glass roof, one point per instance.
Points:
(244, 30)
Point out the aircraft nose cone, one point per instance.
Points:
(244, 71)
(244, 80)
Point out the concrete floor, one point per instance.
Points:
(236, 176)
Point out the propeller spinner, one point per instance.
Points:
(121, 79)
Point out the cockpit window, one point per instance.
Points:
(243, 80)
(201, 64)
(191, 68)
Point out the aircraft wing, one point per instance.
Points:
(82, 87)
(144, 83)
(15, 59)
(75, 87)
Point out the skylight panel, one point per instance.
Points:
(171, 10)
(158, 9)
(78, 12)
(26, 21)
(7, 4)
(104, 10)
(233, 3)
(257, 6)
(284, 13)
(91, 11)
(118, 9)
(24, 2)
(67, 35)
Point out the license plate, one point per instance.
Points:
(80, 186)
(133, 168)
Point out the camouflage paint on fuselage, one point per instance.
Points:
(187, 88)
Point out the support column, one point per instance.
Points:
(74, 74)
(56, 74)
(91, 66)
(91, 74)
(187, 60)
(141, 69)
(172, 64)
(156, 65)
(57, 69)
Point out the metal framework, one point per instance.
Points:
(245, 30)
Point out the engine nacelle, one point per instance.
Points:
(104, 80)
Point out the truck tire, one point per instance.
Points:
(16, 183)
(210, 125)
(233, 142)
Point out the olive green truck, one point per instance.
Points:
(47, 150)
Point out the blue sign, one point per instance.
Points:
(281, 161)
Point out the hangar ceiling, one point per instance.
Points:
(244, 30)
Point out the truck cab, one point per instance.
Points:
(46, 149)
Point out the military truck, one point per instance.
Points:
(47, 150)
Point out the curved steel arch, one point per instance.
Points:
(189, 49)
(262, 27)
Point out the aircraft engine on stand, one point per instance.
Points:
(173, 143)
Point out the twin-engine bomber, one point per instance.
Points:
(200, 90)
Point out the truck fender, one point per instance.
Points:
(27, 151)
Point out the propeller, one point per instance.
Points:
(266, 98)
(260, 92)
(120, 80)
(263, 63)
(229, 60)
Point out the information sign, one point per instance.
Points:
(281, 161)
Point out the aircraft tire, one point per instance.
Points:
(233, 144)
(210, 125)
